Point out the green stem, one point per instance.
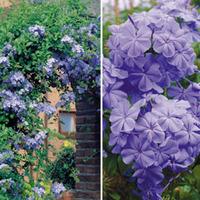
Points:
(171, 190)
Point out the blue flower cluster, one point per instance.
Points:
(12, 103)
(6, 157)
(46, 108)
(6, 184)
(66, 98)
(36, 141)
(40, 191)
(57, 189)
(17, 81)
(8, 50)
(79, 69)
(50, 66)
(150, 54)
(37, 31)
(4, 61)
(76, 48)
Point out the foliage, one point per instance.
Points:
(35, 57)
(63, 169)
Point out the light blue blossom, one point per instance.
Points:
(57, 189)
(37, 31)
(4, 61)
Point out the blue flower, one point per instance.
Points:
(66, 99)
(57, 189)
(17, 79)
(190, 134)
(135, 42)
(13, 103)
(8, 50)
(150, 127)
(40, 191)
(184, 59)
(140, 151)
(46, 108)
(67, 39)
(37, 31)
(50, 66)
(112, 94)
(123, 116)
(35, 142)
(112, 72)
(147, 78)
(4, 61)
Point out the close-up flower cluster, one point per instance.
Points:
(153, 104)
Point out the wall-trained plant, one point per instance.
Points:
(151, 103)
(43, 45)
(63, 169)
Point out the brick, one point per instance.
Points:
(88, 144)
(88, 152)
(85, 105)
(88, 136)
(87, 194)
(88, 112)
(86, 119)
(88, 186)
(82, 199)
(90, 161)
(87, 127)
(88, 132)
(88, 169)
(89, 177)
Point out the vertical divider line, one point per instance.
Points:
(101, 104)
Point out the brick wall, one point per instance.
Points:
(53, 123)
(5, 3)
(88, 152)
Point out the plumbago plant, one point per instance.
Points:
(151, 105)
(34, 59)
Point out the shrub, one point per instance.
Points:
(63, 169)
(36, 56)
